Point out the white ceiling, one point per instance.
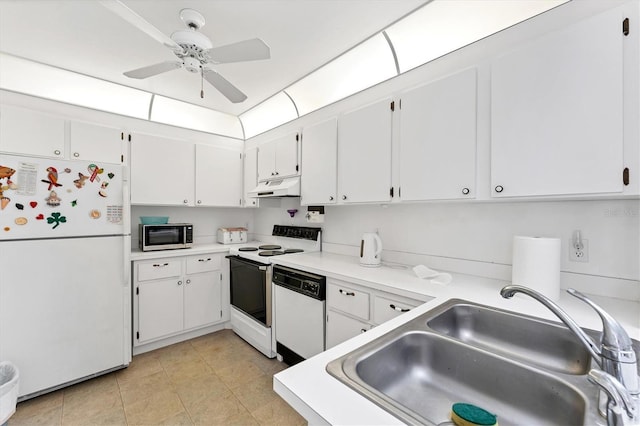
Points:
(85, 37)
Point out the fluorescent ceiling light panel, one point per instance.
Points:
(443, 26)
(271, 113)
(190, 116)
(44, 81)
(366, 65)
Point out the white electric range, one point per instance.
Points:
(251, 281)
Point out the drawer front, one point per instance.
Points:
(346, 299)
(385, 309)
(341, 328)
(160, 268)
(203, 263)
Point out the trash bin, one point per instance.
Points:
(9, 376)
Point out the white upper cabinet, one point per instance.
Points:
(557, 112)
(278, 158)
(98, 143)
(27, 132)
(438, 139)
(250, 176)
(364, 154)
(218, 175)
(162, 171)
(319, 163)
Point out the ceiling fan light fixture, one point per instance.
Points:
(191, 64)
(189, 39)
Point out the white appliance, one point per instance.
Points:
(370, 250)
(65, 288)
(251, 286)
(282, 187)
(232, 235)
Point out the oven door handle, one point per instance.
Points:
(237, 258)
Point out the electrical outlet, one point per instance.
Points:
(579, 255)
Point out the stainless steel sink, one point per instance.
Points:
(525, 370)
(543, 343)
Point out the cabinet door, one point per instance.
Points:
(266, 161)
(95, 143)
(27, 132)
(386, 308)
(250, 176)
(287, 155)
(556, 113)
(202, 299)
(438, 139)
(364, 154)
(162, 171)
(319, 163)
(341, 327)
(218, 176)
(160, 310)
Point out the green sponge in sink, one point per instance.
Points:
(469, 415)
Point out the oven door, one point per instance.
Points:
(250, 292)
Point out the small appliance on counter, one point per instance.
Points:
(167, 236)
(370, 250)
(232, 235)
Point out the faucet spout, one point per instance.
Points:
(508, 292)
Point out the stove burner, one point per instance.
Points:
(248, 249)
(270, 247)
(293, 250)
(269, 253)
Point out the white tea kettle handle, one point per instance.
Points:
(376, 237)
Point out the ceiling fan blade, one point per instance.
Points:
(119, 8)
(227, 89)
(247, 50)
(154, 69)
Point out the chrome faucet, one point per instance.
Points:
(614, 355)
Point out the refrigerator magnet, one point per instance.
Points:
(21, 221)
(95, 214)
(56, 218)
(53, 200)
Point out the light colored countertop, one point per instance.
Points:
(137, 254)
(322, 399)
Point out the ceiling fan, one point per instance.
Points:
(194, 50)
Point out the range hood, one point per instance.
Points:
(285, 187)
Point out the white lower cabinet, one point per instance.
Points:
(353, 309)
(175, 295)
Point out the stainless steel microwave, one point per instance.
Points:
(168, 236)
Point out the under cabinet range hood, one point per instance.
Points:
(285, 187)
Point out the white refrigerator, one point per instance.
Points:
(64, 277)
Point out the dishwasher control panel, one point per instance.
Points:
(300, 281)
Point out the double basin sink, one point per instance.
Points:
(523, 369)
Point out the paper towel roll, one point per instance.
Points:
(536, 264)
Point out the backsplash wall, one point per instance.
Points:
(477, 237)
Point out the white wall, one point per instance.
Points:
(476, 238)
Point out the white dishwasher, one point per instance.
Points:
(299, 313)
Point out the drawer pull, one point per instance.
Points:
(398, 308)
(157, 265)
(179, 282)
(346, 293)
(363, 330)
(208, 259)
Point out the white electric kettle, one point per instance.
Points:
(370, 250)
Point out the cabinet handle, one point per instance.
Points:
(188, 281)
(344, 197)
(277, 173)
(199, 201)
(331, 198)
(272, 174)
(179, 282)
(346, 293)
(499, 188)
(76, 154)
(57, 152)
(465, 191)
(185, 201)
(158, 265)
(363, 330)
(204, 260)
(398, 308)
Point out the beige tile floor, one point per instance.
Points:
(217, 379)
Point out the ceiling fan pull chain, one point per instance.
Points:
(201, 83)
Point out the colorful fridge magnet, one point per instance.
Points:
(33, 204)
(56, 218)
(7, 229)
(102, 193)
(4, 202)
(19, 206)
(6, 173)
(95, 171)
(74, 203)
(53, 200)
(40, 217)
(79, 183)
(95, 214)
(111, 175)
(21, 221)
(52, 176)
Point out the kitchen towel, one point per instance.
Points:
(536, 264)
